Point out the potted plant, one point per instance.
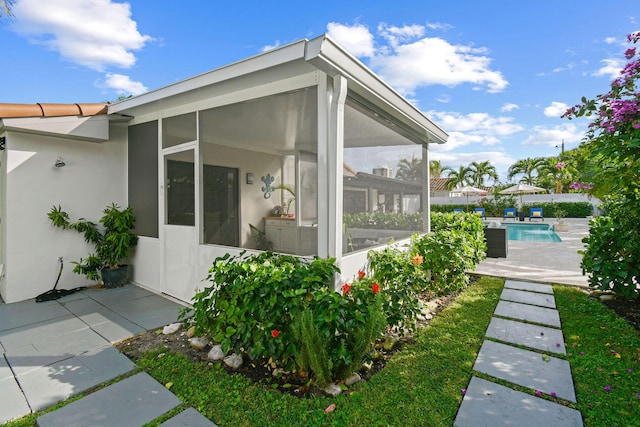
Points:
(560, 225)
(113, 241)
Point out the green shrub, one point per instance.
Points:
(571, 209)
(471, 228)
(403, 280)
(254, 298)
(382, 220)
(495, 207)
(612, 255)
(337, 331)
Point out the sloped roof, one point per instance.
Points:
(439, 184)
(51, 110)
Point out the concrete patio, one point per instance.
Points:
(57, 349)
(543, 262)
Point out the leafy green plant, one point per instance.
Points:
(254, 298)
(613, 250)
(113, 240)
(382, 220)
(403, 280)
(337, 331)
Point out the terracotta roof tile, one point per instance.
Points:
(51, 110)
(439, 184)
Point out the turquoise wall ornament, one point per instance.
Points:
(268, 180)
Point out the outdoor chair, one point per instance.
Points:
(479, 212)
(457, 210)
(536, 213)
(510, 213)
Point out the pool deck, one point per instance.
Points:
(553, 262)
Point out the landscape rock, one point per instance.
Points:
(333, 389)
(607, 297)
(234, 361)
(172, 328)
(198, 342)
(215, 353)
(191, 332)
(354, 378)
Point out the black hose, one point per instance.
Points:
(54, 293)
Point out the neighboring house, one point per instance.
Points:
(198, 161)
(439, 187)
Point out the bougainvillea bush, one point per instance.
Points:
(612, 255)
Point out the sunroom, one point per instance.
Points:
(256, 155)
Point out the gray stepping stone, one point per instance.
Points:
(188, 418)
(109, 297)
(529, 313)
(28, 312)
(44, 330)
(526, 368)
(525, 297)
(528, 286)
(149, 312)
(528, 335)
(133, 402)
(487, 404)
(13, 403)
(104, 321)
(47, 385)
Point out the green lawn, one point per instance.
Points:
(421, 385)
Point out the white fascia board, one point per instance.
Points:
(329, 57)
(86, 128)
(278, 56)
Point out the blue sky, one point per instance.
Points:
(494, 74)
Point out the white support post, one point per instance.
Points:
(426, 191)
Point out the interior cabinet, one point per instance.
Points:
(282, 233)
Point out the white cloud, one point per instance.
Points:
(551, 137)
(509, 107)
(407, 60)
(270, 47)
(610, 40)
(497, 158)
(123, 85)
(556, 109)
(611, 68)
(473, 128)
(92, 33)
(356, 39)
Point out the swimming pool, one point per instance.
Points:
(531, 232)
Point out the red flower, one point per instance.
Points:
(275, 333)
(346, 288)
(375, 288)
(361, 274)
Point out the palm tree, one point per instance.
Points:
(527, 167)
(5, 7)
(436, 169)
(478, 172)
(410, 170)
(556, 174)
(458, 178)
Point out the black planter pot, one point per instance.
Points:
(114, 278)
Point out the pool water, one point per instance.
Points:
(531, 232)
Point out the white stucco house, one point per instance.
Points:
(198, 161)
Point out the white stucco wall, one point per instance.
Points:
(94, 176)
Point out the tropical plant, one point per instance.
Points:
(479, 171)
(6, 6)
(529, 169)
(436, 169)
(613, 141)
(113, 240)
(458, 178)
(410, 170)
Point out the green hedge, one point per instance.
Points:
(496, 208)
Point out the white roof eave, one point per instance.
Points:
(322, 53)
(332, 59)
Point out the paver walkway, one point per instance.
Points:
(527, 318)
(57, 349)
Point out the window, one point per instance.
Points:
(143, 177)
